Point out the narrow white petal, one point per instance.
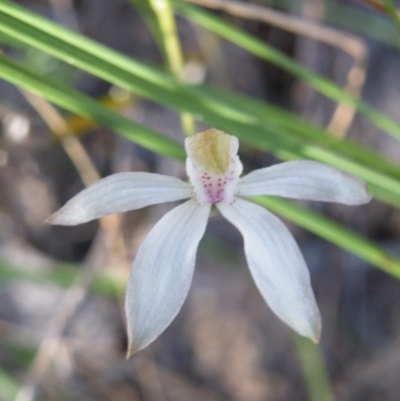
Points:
(305, 180)
(162, 272)
(119, 193)
(277, 266)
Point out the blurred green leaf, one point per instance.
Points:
(354, 18)
(250, 124)
(8, 386)
(247, 122)
(64, 275)
(314, 369)
(283, 145)
(83, 105)
(160, 17)
(269, 53)
(149, 16)
(363, 21)
(393, 13)
(333, 232)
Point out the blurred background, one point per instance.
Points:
(62, 329)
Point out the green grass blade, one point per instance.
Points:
(313, 369)
(83, 105)
(274, 139)
(126, 72)
(293, 126)
(393, 13)
(334, 233)
(112, 66)
(150, 18)
(161, 14)
(268, 53)
(63, 275)
(89, 55)
(362, 21)
(8, 386)
(249, 125)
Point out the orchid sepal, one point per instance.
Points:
(163, 267)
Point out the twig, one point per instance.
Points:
(348, 43)
(53, 338)
(109, 233)
(72, 146)
(173, 51)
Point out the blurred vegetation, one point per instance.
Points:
(43, 57)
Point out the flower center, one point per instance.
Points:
(213, 166)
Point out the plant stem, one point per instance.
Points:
(172, 50)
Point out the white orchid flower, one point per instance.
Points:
(163, 268)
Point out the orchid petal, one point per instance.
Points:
(213, 166)
(162, 273)
(119, 193)
(277, 266)
(305, 180)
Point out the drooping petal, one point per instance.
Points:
(119, 193)
(305, 180)
(277, 266)
(162, 272)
